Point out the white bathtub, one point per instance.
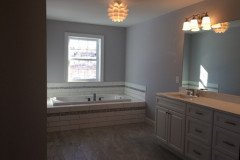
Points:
(75, 100)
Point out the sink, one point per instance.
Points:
(182, 95)
(187, 96)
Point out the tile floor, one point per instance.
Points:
(122, 142)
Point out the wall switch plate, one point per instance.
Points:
(177, 79)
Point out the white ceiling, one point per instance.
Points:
(95, 11)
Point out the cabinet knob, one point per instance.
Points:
(168, 113)
(228, 143)
(231, 123)
(197, 130)
(196, 152)
(199, 113)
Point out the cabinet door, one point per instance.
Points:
(161, 124)
(176, 131)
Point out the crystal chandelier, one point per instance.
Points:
(220, 27)
(117, 11)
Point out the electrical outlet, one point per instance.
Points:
(177, 79)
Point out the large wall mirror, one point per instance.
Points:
(212, 60)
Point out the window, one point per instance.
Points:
(84, 57)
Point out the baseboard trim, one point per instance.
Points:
(150, 122)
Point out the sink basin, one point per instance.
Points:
(182, 95)
(187, 96)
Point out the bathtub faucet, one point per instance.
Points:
(94, 96)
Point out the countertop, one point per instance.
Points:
(225, 106)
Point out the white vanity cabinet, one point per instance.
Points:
(170, 123)
(196, 131)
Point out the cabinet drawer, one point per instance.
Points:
(219, 156)
(200, 130)
(173, 105)
(226, 142)
(199, 112)
(196, 151)
(227, 121)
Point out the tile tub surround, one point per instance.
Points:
(84, 88)
(73, 89)
(97, 115)
(135, 90)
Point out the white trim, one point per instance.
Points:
(66, 57)
(100, 72)
(137, 86)
(195, 85)
(102, 59)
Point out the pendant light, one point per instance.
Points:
(117, 11)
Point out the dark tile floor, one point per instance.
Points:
(122, 142)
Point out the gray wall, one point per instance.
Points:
(219, 55)
(154, 48)
(114, 49)
(23, 80)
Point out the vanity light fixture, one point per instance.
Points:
(117, 11)
(195, 21)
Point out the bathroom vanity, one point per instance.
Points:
(201, 128)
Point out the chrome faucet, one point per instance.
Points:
(190, 92)
(94, 96)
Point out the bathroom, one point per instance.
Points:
(143, 55)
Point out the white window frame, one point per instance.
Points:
(100, 56)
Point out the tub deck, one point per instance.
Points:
(69, 117)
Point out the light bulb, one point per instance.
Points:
(186, 26)
(194, 23)
(206, 23)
